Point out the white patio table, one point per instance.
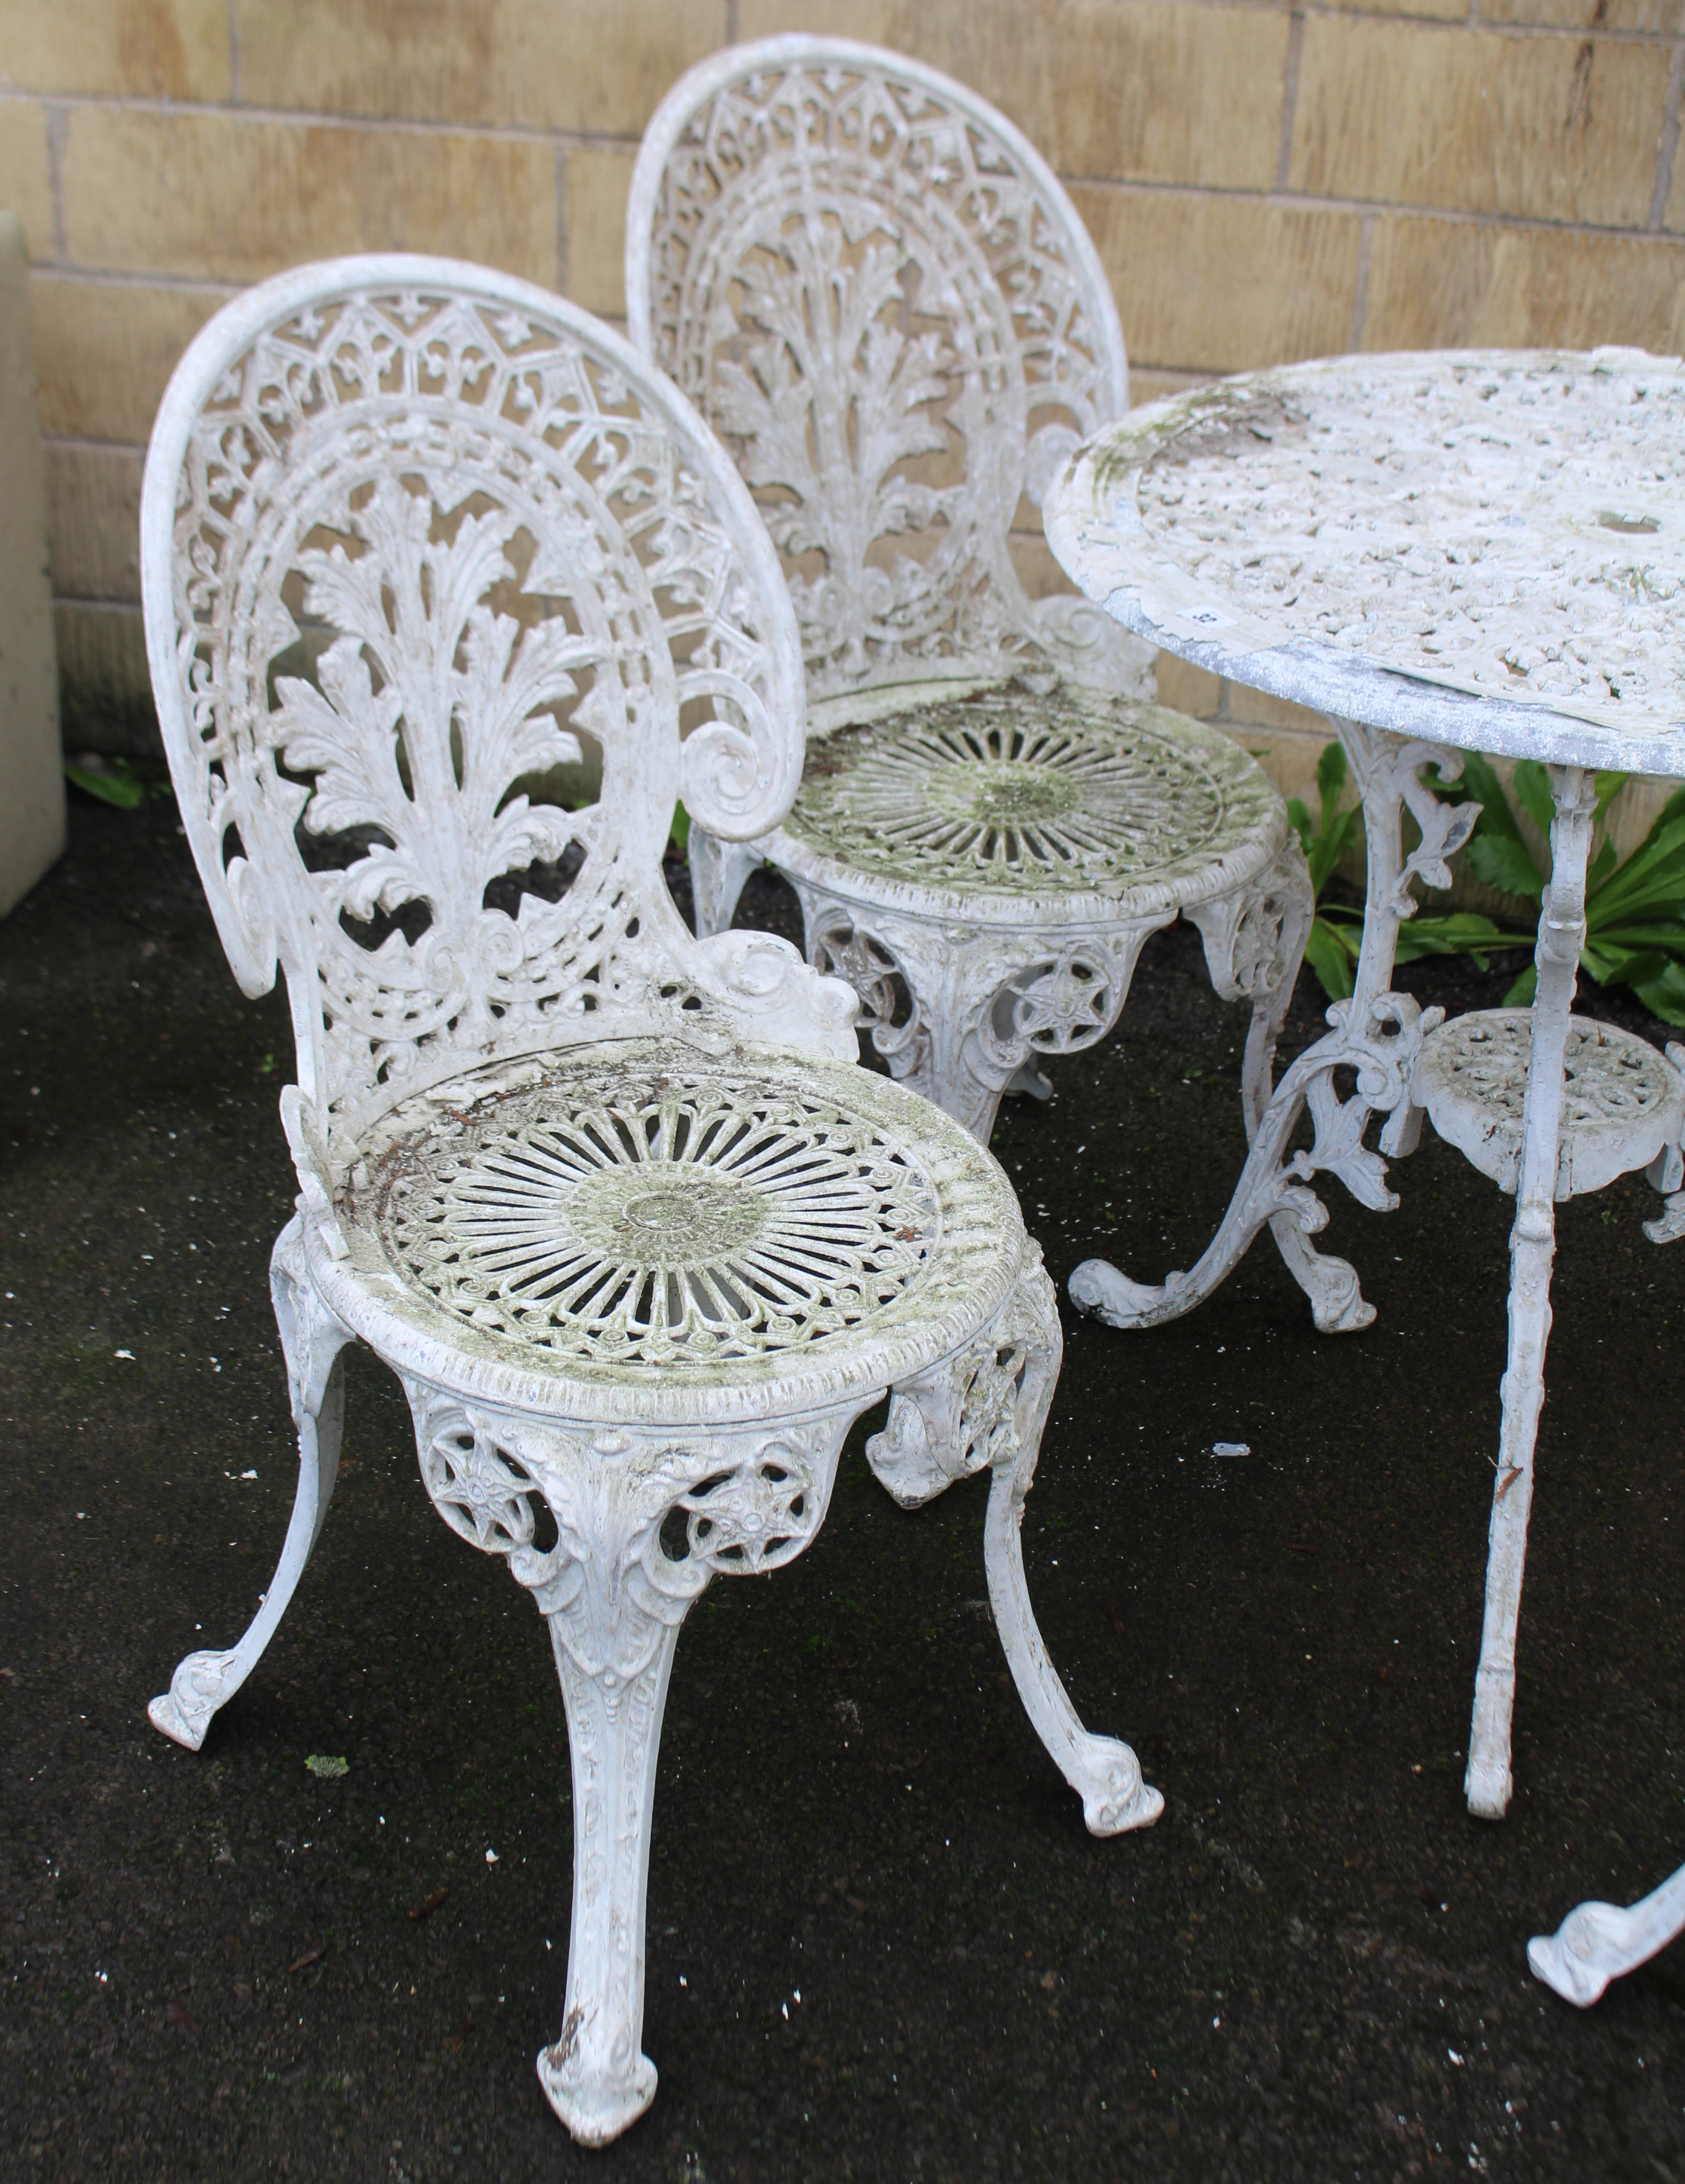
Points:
(1460, 551)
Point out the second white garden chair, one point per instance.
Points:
(875, 289)
(448, 597)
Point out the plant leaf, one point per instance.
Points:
(1496, 819)
(1532, 793)
(1610, 786)
(1326, 954)
(1331, 779)
(118, 788)
(1506, 862)
(1664, 995)
(1455, 932)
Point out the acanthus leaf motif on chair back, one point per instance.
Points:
(449, 598)
(877, 294)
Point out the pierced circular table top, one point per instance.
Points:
(1622, 1102)
(1031, 806)
(1485, 547)
(684, 1231)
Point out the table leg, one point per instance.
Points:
(1376, 1035)
(1532, 1247)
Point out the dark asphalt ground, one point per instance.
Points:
(1312, 1967)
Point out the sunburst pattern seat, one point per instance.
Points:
(448, 597)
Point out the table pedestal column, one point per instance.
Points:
(1533, 1248)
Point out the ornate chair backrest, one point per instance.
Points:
(448, 597)
(873, 287)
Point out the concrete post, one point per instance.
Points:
(31, 765)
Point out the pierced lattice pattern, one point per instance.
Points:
(678, 1217)
(444, 568)
(1452, 517)
(1031, 795)
(1613, 1079)
(880, 297)
(1622, 1101)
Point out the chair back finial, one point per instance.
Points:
(449, 597)
(875, 289)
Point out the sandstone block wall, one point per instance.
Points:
(1265, 181)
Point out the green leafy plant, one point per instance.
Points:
(1635, 906)
(1336, 933)
(116, 782)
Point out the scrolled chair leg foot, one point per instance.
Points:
(312, 1341)
(596, 2105)
(1597, 1942)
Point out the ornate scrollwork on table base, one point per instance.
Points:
(1376, 1033)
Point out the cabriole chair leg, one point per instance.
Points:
(312, 1341)
(614, 1591)
(986, 1408)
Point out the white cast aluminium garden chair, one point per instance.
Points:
(448, 597)
(876, 290)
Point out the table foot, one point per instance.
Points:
(1487, 1782)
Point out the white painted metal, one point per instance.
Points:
(1460, 551)
(1597, 1942)
(1623, 1103)
(1517, 541)
(875, 289)
(448, 597)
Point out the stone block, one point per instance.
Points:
(1032, 560)
(221, 197)
(527, 64)
(1250, 708)
(1436, 11)
(1136, 89)
(1452, 284)
(593, 199)
(1665, 17)
(1154, 386)
(106, 690)
(119, 49)
(94, 514)
(1481, 120)
(1214, 284)
(25, 173)
(105, 350)
(1186, 688)
(1290, 757)
(32, 767)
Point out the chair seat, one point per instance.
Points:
(1008, 806)
(672, 1237)
(1623, 1102)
